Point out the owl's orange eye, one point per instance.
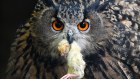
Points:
(57, 25)
(83, 26)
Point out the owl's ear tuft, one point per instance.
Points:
(96, 6)
(50, 3)
(92, 7)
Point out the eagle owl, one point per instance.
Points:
(78, 39)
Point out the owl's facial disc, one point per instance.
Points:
(76, 29)
(70, 30)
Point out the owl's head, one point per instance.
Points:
(73, 20)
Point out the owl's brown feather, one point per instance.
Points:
(110, 48)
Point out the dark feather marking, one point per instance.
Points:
(88, 71)
(26, 69)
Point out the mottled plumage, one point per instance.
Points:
(110, 46)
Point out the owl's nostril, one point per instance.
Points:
(70, 36)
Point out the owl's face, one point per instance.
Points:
(70, 20)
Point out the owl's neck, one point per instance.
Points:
(41, 54)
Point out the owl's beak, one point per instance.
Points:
(70, 36)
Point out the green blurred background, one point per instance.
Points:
(13, 13)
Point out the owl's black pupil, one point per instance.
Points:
(58, 24)
(82, 25)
